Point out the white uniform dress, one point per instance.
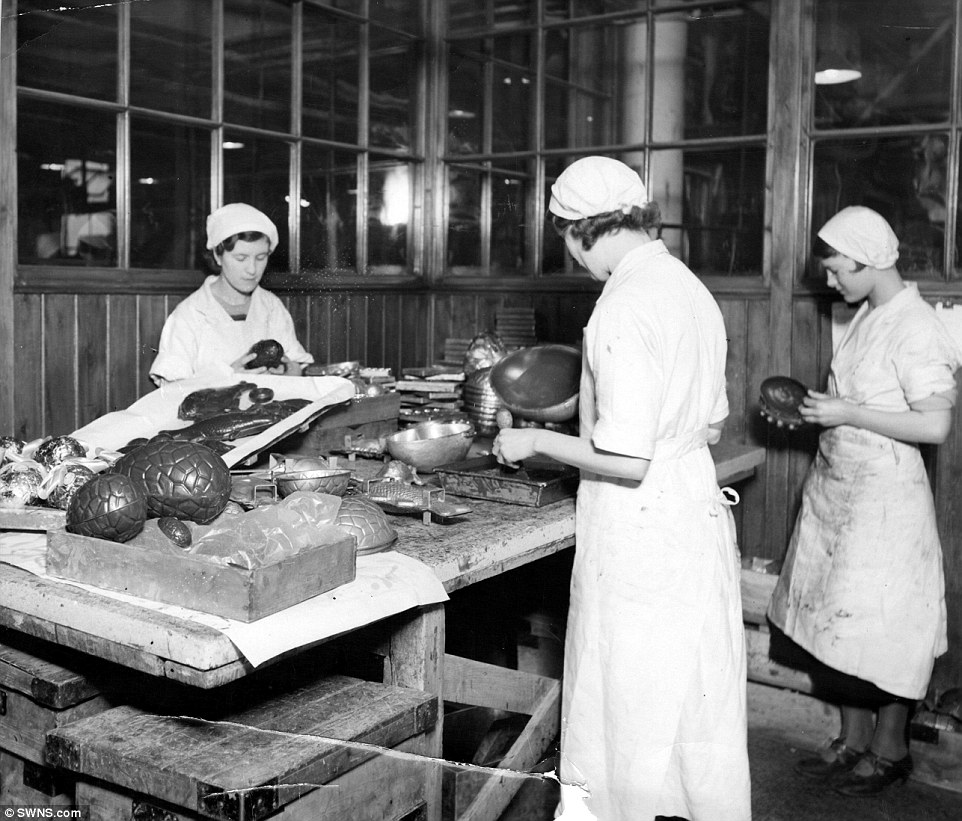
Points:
(200, 333)
(862, 588)
(653, 717)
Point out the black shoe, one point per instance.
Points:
(838, 760)
(874, 774)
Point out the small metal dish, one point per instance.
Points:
(332, 481)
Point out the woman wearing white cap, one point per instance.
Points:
(862, 587)
(653, 715)
(213, 329)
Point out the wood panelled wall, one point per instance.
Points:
(80, 356)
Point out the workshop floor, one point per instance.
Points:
(781, 730)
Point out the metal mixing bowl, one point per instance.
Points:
(539, 383)
(429, 444)
(319, 481)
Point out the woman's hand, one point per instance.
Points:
(827, 411)
(513, 445)
(288, 368)
(240, 365)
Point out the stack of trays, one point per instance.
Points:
(481, 402)
(516, 326)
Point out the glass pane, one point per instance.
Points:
(582, 68)
(331, 71)
(470, 15)
(169, 194)
(389, 208)
(711, 73)
(257, 63)
(719, 218)
(900, 55)
(170, 56)
(903, 178)
(68, 46)
(66, 197)
(464, 217)
(399, 14)
(328, 209)
(465, 101)
(393, 85)
(512, 109)
(257, 171)
(509, 193)
(556, 10)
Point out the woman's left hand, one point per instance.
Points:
(827, 411)
(513, 445)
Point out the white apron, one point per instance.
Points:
(653, 716)
(862, 587)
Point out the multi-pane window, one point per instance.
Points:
(135, 119)
(885, 123)
(678, 91)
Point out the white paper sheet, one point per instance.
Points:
(157, 411)
(386, 584)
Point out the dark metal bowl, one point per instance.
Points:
(539, 383)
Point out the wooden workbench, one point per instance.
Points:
(491, 540)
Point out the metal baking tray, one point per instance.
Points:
(535, 484)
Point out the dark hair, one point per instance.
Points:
(590, 229)
(822, 250)
(228, 245)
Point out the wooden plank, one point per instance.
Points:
(489, 685)
(29, 382)
(122, 383)
(9, 352)
(765, 671)
(28, 784)
(287, 741)
(60, 364)
(536, 737)
(756, 592)
(42, 679)
(91, 358)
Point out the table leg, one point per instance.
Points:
(415, 658)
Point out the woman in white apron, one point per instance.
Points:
(653, 714)
(862, 587)
(213, 329)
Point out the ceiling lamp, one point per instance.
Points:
(837, 50)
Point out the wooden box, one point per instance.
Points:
(365, 417)
(197, 582)
(274, 758)
(38, 694)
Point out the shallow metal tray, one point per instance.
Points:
(535, 484)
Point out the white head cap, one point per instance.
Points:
(596, 185)
(236, 218)
(862, 234)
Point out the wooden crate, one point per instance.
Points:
(198, 583)
(38, 693)
(367, 417)
(280, 757)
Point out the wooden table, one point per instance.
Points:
(491, 540)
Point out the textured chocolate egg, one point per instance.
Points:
(185, 480)
(175, 530)
(109, 506)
